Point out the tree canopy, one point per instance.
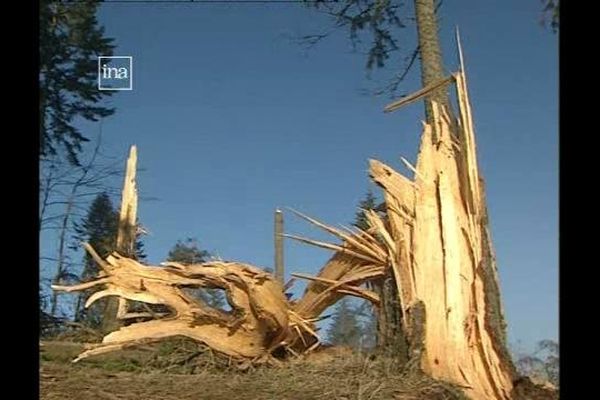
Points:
(375, 26)
(368, 203)
(71, 39)
(551, 13)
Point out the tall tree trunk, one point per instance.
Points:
(432, 67)
(45, 197)
(78, 305)
(60, 265)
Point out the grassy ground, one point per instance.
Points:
(177, 371)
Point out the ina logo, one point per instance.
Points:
(115, 73)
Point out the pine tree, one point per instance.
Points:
(366, 309)
(368, 203)
(70, 42)
(367, 317)
(99, 229)
(345, 327)
(188, 252)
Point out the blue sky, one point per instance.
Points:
(232, 119)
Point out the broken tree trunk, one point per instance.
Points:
(279, 269)
(126, 233)
(443, 259)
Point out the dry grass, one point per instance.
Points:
(181, 370)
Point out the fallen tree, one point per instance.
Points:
(261, 321)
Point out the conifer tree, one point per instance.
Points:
(71, 39)
(345, 328)
(99, 229)
(188, 252)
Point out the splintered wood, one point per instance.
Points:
(433, 235)
(443, 257)
(129, 201)
(126, 235)
(262, 319)
(258, 321)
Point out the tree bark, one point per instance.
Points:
(432, 67)
(391, 340)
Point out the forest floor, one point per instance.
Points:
(180, 370)
(175, 371)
